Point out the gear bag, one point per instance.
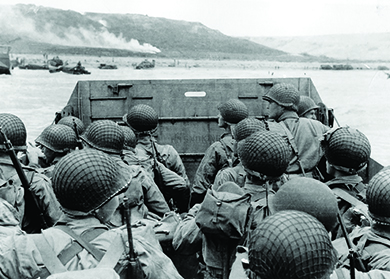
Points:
(225, 213)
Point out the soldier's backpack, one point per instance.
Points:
(225, 212)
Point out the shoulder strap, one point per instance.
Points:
(291, 140)
(50, 260)
(228, 152)
(96, 253)
(113, 254)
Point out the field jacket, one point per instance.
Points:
(306, 134)
(219, 155)
(155, 264)
(44, 204)
(19, 257)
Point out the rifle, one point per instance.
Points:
(353, 256)
(29, 198)
(134, 270)
(79, 142)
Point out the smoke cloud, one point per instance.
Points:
(13, 22)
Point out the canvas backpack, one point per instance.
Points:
(225, 213)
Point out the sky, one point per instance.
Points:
(249, 17)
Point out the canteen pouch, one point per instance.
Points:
(225, 214)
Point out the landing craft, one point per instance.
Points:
(5, 63)
(187, 120)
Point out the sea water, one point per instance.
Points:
(360, 98)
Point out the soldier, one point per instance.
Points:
(347, 152)
(221, 153)
(237, 174)
(307, 108)
(41, 208)
(372, 243)
(282, 102)
(13, 241)
(55, 142)
(290, 244)
(107, 136)
(265, 156)
(87, 184)
(264, 152)
(75, 123)
(143, 120)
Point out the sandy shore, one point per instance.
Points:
(120, 62)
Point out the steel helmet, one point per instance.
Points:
(289, 245)
(130, 137)
(58, 138)
(104, 135)
(347, 149)
(71, 121)
(308, 195)
(14, 129)
(233, 111)
(306, 104)
(284, 94)
(141, 118)
(85, 180)
(265, 152)
(248, 126)
(378, 196)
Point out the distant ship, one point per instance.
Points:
(5, 63)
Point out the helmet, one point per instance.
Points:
(284, 94)
(71, 121)
(141, 118)
(306, 104)
(307, 195)
(346, 149)
(85, 180)
(58, 138)
(378, 196)
(248, 126)
(104, 135)
(233, 111)
(265, 152)
(14, 129)
(130, 138)
(290, 244)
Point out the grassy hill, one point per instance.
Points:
(366, 47)
(38, 30)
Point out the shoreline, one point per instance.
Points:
(129, 62)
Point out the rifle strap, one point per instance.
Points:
(348, 198)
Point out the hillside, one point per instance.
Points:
(366, 47)
(39, 30)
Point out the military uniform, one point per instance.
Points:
(107, 136)
(220, 154)
(19, 256)
(87, 184)
(303, 134)
(372, 243)
(143, 120)
(41, 206)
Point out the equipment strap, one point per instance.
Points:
(96, 253)
(291, 140)
(113, 254)
(50, 260)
